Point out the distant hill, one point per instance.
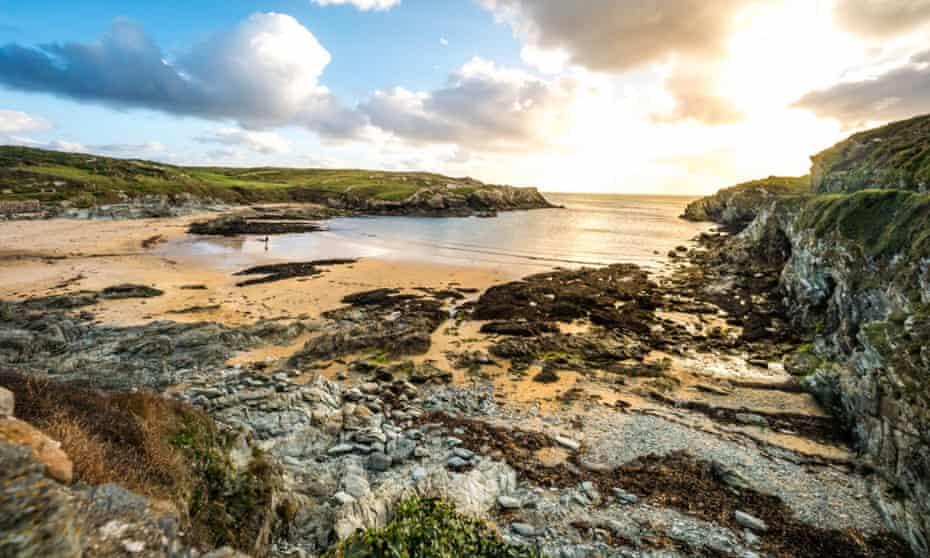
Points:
(896, 156)
(86, 180)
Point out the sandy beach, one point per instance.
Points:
(42, 258)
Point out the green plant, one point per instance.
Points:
(429, 528)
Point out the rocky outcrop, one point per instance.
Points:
(896, 156)
(856, 276)
(449, 200)
(738, 205)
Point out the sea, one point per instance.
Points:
(590, 230)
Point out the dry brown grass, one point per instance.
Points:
(157, 447)
(122, 437)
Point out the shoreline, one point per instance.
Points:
(621, 376)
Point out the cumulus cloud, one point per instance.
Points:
(17, 122)
(259, 142)
(612, 36)
(881, 18)
(364, 5)
(894, 95)
(482, 107)
(616, 37)
(264, 72)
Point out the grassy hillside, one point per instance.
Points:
(739, 204)
(896, 156)
(27, 173)
(885, 223)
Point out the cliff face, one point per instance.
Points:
(857, 278)
(855, 275)
(896, 156)
(738, 205)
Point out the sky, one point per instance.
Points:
(622, 96)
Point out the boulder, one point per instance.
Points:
(46, 451)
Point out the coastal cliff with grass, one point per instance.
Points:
(74, 184)
(853, 264)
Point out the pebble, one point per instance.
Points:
(750, 522)
(463, 453)
(341, 449)
(133, 547)
(523, 529)
(418, 474)
(568, 443)
(379, 462)
(625, 497)
(343, 498)
(590, 491)
(456, 462)
(508, 502)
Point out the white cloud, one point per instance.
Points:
(258, 142)
(364, 5)
(443, 41)
(264, 72)
(483, 107)
(17, 122)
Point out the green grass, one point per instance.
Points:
(895, 156)
(884, 223)
(50, 176)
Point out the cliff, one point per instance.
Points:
(855, 276)
(896, 156)
(738, 205)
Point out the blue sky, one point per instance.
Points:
(674, 96)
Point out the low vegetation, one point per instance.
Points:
(739, 204)
(28, 173)
(892, 156)
(157, 447)
(884, 223)
(429, 528)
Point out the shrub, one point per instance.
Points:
(429, 528)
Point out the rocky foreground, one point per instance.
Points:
(763, 396)
(648, 417)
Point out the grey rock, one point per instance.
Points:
(751, 419)
(456, 462)
(508, 503)
(750, 522)
(36, 516)
(403, 450)
(344, 498)
(340, 449)
(379, 462)
(625, 497)
(463, 453)
(523, 529)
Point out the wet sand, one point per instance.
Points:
(41, 258)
